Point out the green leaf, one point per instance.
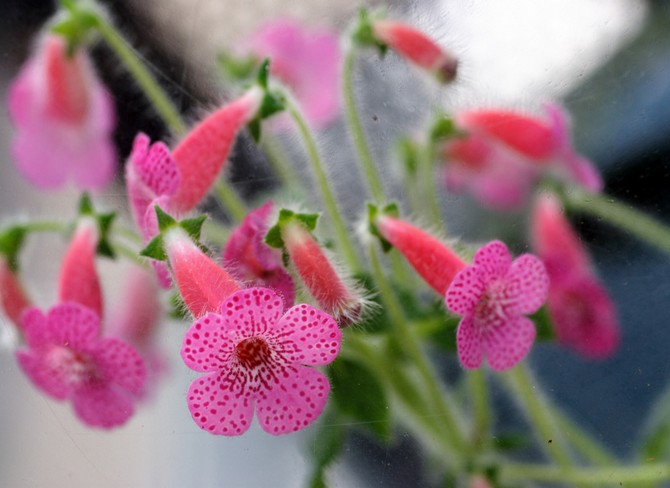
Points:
(358, 395)
(326, 446)
(165, 220)
(155, 249)
(193, 226)
(11, 241)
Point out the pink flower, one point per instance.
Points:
(579, 306)
(12, 295)
(203, 284)
(64, 119)
(417, 48)
(67, 360)
(305, 61)
(249, 259)
(257, 359)
(505, 153)
(433, 260)
(493, 295)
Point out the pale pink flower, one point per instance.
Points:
(257, 358)
(67, 360)
(582, 312)
(251, 260)
(12, 295)
(64, 119)
(307, 61)
(493, 295)
(416, 47)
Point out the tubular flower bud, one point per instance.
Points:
(79, 280)
(324, 283)
(433, 260)
(203, 284)
(203, 153)
(12, 295)
(416, 47)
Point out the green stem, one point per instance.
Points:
(343, 236)
(230, 200)
(536, 408)
(278, 161)
(480, 406)
(356, 128)
(428, 186)
(145, 80)
(45, 226)
(581, 442)
(614, 475)
(129, 254)
(621, 215)
(409, 344)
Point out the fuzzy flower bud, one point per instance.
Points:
(12, 295)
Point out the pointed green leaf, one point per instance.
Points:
(193, 226)
(263, 73)
(271, 104)
(165, 220)
(11, 241)
(155, 249)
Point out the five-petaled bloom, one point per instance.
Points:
(67, 359)
(64, 119)
(493, 295)
(257, 357)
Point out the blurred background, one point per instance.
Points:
(607, 61)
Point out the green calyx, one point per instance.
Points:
(104, 222)
(374, 212)
(155, 249)
(363, 34)
(76, 25)
(274, 237)
(272, 103)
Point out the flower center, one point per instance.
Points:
(252, 352)
(74, 368)
(490, 306)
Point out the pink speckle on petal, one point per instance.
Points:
(492, 295)
(256, 356)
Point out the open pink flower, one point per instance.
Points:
(306, 61)
(493, 295)
(258, 358)
(64, 119)
(67, 360)
(582, 312)
(250, 259)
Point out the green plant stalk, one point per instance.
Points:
(613, 475)
(45, 226)
(278, 161)
(145, 80)
(480, 405)
(428, 186)
(536, 408)
(356, 128)
(227, 195)
(409, 344)
(343, 237)
(581, 442)
(620, 215)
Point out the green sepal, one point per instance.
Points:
(76, 26)
(193, 226)
(11, 241)
(177, 308)
(391, 210)
(273, 238)
(104, 222)
(237, 68)
(155, 249)
(409, 155)
(263, 74)
(255, 129)
(543, 325)
(272, 103)
(359, 395)
(363, 34)
(445, 128)
(165, 220)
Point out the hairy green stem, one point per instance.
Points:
(278, 161)
(613, 475)
(228, 197)
(480, 406)
(428, 186)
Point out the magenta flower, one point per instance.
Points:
(257, 358)
(250, 260)
(67, 360)
(64, 119)
(493, 295)
(306, 61)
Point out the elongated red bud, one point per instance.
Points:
(12, 295)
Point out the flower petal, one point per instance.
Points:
(465, 291)
(308, 336)
(295, 400)
(34, 326)
(508, 342)
(527, 284)
(72, 325)
(469, 344)
(209, 344)
(218, 409)
(120, 364)
(253, 311)
(43, 377)
(104, 407)
(493, 260)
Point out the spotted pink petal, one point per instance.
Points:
(465, 291)
(469, 344)
(527, 285)
(73, 325)
(105, 407)
(294, 401)
(492, 260)
(312, 334)
(120, 364)
(155, 165)
(34, 326)
(51, 380)
(218, 407)
(508, 342)
(209, 344)
(253, 312)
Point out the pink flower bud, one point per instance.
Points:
(418, 48)
(203, 153)
(203, 284)
(325, 284)
(79, 280)
(434, 261)
(13, 297)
